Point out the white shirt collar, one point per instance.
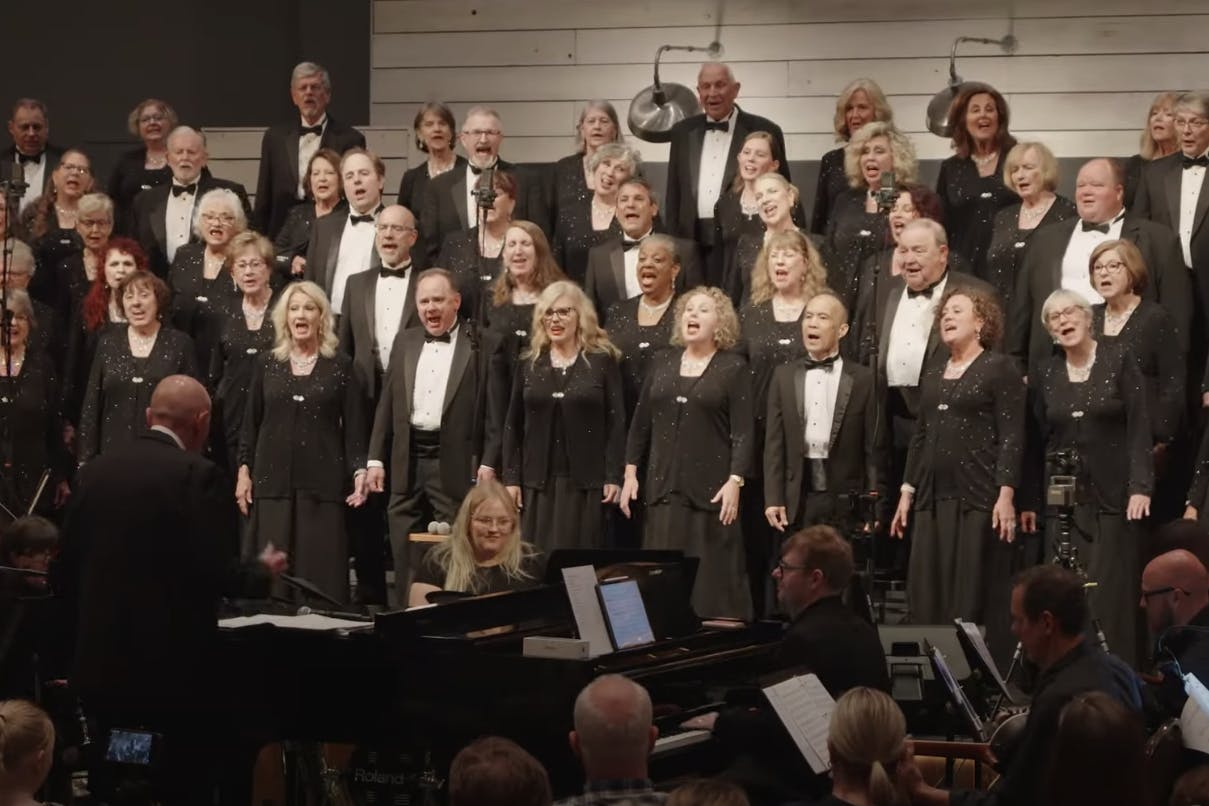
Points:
(163, 429)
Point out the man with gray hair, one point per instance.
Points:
(701, 163)
(163, 215)
(287, 148)
(29, 126)
(613, 738)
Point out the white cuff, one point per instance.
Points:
(372, 463)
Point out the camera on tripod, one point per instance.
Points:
(1063, 468)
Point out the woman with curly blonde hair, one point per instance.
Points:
(302, 449)
(564, 434)
(692, 430)
(861, 101)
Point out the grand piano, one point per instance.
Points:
(414, 687)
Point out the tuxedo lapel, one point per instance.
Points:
(617, 264)
(291, 150)
(842, 396)
(696, 141)
(1202, 203)
(736, 145)
(1173, 177)
(159, 219)
(370, 301)
(894, 292)
(799, 399)
(333, 252)
(458, 192)
(457, 368)
(413, 342)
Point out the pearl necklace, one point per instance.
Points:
(254, 313)
(649, 308)
(558, 362)
(694, 366)
(142, 344)
(783, 308)
(16, 362)
(1114, 322)
(304, 363)
(602, 209)
(437, 170)
(1028, 216)
(1083, 373)
(954, 369)
(987, 160)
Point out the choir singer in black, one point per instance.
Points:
(963, 469)
(429, 418)
(825, 441)
(564, 435)
(693, 432)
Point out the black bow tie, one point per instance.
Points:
(24, 158)
(361, 219)
(627, 244)
(923, 292)
(400, 272)
(181, 190)
(1189, 162)
(826, 364)
(443, 337)
(717, 125)
(303, 131)
(1088, 227)
(476, 170)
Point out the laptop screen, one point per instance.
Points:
(625, 614)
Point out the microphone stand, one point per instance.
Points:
(13, 186)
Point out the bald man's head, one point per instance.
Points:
(182, 405)
(613, 733)
(1175, 587)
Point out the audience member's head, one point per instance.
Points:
(1192, 788)
(497, 772)
(27, 742)
(1175, 588)
(1049, 613)
(867, 737)
(181, 404)
(28, 543)
(613, 733)
(1180, 534)
(707, 792)
(1099, 754)
(815, 563)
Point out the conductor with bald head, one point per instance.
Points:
(150, 543)
(827, 404)
(701, 164)
(1175, 596)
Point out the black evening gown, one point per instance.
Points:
(507, 327)
(969, 203)
(639, 345)
(197, 302)
(1005, 254)
(68, 286)
(691, 434)
(574, 237)
(969, 441)
(130, 177)
(295, 235)
(120, 386)
(303, 439)
(53, 248)
(1132, 168)
(31, 437)
(232, 364)
(832, 182)
(564, 439)
(77, 364)
(852, 236)
(1106, 421)
(472, 272)
(731, 224)
(570, 184)
(415, 181)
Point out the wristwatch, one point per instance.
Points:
(736, 479)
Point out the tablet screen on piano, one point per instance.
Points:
(625, 614)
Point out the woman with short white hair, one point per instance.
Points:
(587, 223)
(302, 450)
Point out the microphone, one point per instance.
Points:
(484, 189)
(886, 195)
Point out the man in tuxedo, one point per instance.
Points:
(377, 305)
(450, 202)
(825, 638)
(343, 245)
(613, 265)
(150, 543)
(29, 126)
(825, 439)
(701, 164)
(287, 148)
(163, 215)
(430, 417)
(1058, 254)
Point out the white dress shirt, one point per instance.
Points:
(909, 333)
(715, 153)
(356, 252)
(35, 176)
(822, 387)
(308, 144)
(1191, 181)
(630, 258)
(389, 298)
(178, 220)
(432, 377)
(1075, 276)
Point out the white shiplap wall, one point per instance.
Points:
(1081, 80)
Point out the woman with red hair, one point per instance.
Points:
(96, 312)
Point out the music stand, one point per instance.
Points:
(979, 657)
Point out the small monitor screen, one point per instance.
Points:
(625, 614)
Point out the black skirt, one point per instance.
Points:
(562, 516)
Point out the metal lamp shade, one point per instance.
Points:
(659, 107)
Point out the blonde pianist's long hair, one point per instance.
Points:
(456, 555)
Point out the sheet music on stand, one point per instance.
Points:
(804, 706)
(1194, 719)
(971, 632)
